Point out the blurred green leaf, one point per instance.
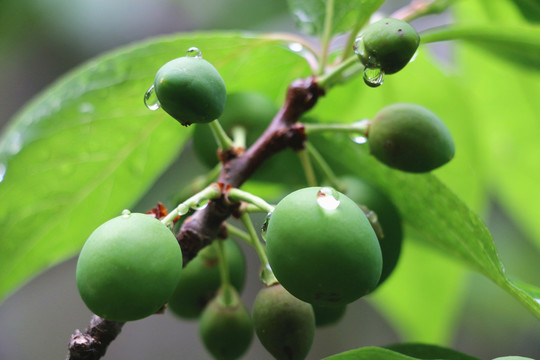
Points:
(520, 45)
(434, 215)
(88, 147)
(402, 352)
(425, 351)
(310, 15)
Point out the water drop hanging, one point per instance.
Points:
(373, 77)
(328, 198)
(182, 209)
(360, 137)
(150, 99)
(194, 52)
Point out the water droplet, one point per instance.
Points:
(265, 226)
(200, 205)
(296, 47)
(150, 99)
(3, 169)
(328, 198)
(182, 209)
(373, 77)
(358, 47)
(86, 108)
(360, 137)
(126, 213)
(194, 52)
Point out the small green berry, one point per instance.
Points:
(129, 267)
(322, 248)
(191, 90)
(284, 324)
(410, 138)
(388, 44)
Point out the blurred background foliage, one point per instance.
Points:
(41, 40)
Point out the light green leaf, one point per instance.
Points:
(520, 45)
(425, 351)
(433, 214)
(88, 147)
(311, 15)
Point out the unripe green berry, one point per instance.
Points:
(388, 44)
(322, 248)
(226, 329)
(284, 324)
(129, 267)
(191, 90)
(410, 138)
(388, 218)
(200, 279)
(328, 315)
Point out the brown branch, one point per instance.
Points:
(205, 225)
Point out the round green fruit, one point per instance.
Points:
(322, 247)
(191, 90)
(129, 267)
(200, 279)
(328, 315)
(284, 324)
(388, 218)
(388, 44)
(410, 138)
(226, 330)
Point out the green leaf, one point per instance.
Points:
(434, 215)
(425, 351)
(310, 15)
(88, 147)
(520, 45)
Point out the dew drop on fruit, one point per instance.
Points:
(373, 77)
(200, 205)
(328, 198)
(359, 137)
(194, 52)
(126, 213)
(265, 225)
(150, 99)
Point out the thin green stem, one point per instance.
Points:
(239, 136)
(239, 234)
(240, 195)
(327, 36)
(198, 183)
(267, 276)
(334, 75)
(226, 293)
(210, 192)
(324, 167)
(359, 127)
(223, 140)
(308, 168)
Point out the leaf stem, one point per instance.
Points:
(324, 167)
(240, 195)
(226, 293)
(210, 192)
(239, 234)
(239, 136)
(327, 36)
(308, 168)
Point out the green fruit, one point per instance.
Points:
(128, 268)
(388, 44)
(284, 324)
(387, 216)
(328, 315)
(226, 330)
(410, 138)
(191, 90)
(252, 111)
(323, 254)
(201, 279)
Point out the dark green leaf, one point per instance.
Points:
(311, 15)
(88, 147)
(520, 45)
(424, 351)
